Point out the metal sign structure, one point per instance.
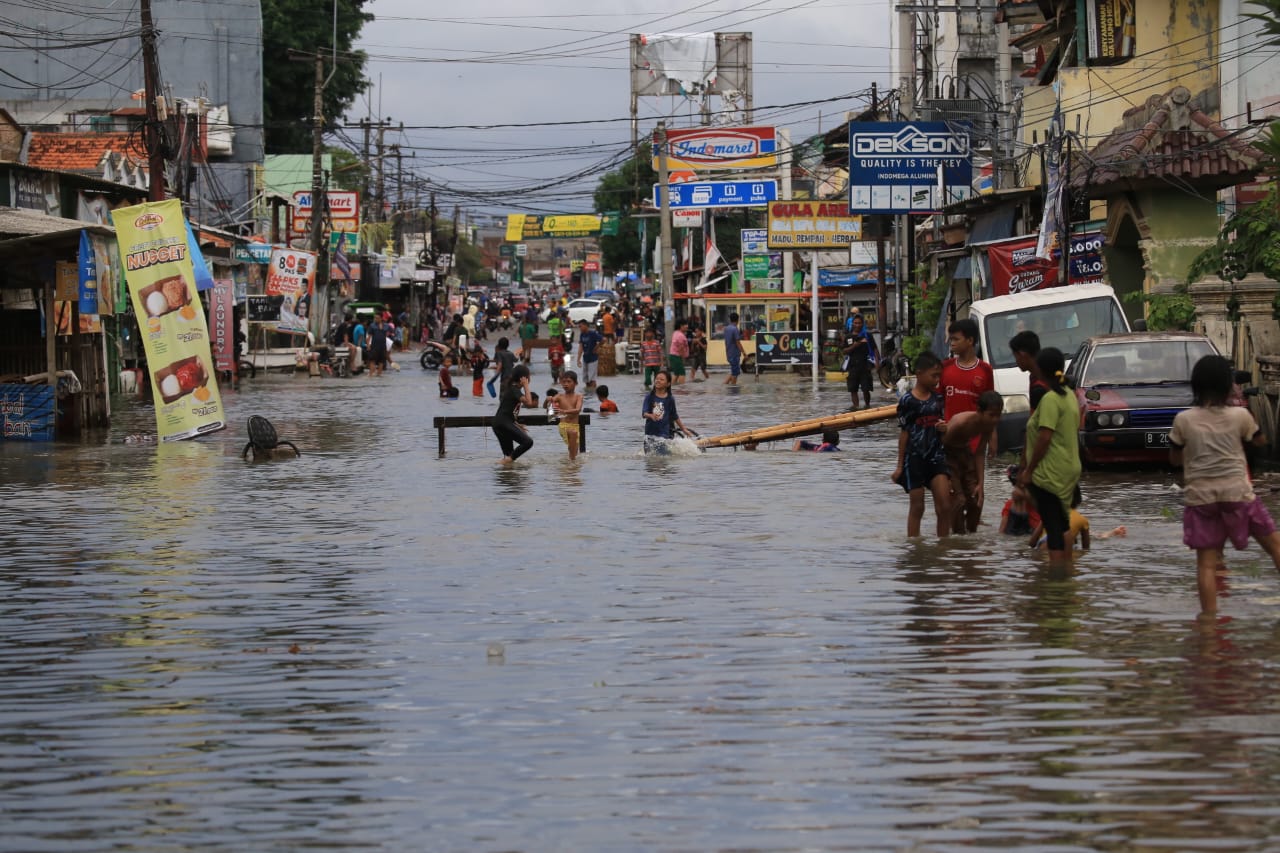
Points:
(894, 166)
(344, 211)
(718, 194)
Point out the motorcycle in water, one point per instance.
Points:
(434, 353)
(894, 363)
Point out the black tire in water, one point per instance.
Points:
(246, 368)
(431, 359)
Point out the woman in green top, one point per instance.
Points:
(1051, 465)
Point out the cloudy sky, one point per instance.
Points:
(515, 62)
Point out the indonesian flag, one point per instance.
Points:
(710, 251)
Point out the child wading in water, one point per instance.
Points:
(660, 417)
(1208, 441)
(568, 407)
(922, 462)
(968, 468)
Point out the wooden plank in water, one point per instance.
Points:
(795, 429)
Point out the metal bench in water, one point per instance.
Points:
(443, 422)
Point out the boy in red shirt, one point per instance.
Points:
(965, 378)
(650, 357)
(555, 355)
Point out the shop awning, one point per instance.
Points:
(21, 229)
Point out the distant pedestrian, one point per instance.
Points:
(504, 364)
(1208, 441)
(447, 388)
(697, 353)
(733, 349)
(588, 358)
(650, 357)
(378, 346)
(555, 357)
(479, 361)
(607, 406)
(1051, 472)
(568, 407)
(512, 437)
(679, 351)
(528, 331)
(922, 460)
(860, 357)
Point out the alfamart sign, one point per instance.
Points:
(703, 148)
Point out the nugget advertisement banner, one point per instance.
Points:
(159, 273)
(292, 275)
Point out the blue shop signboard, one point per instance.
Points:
(908, 167)
(27, 412)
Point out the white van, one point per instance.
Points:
(1062, 317)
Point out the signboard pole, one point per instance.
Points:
(882, 318)
(788, 259)
(813, 310)
(668, 274)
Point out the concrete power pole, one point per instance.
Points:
(382, 185)
(319, 204)
(664, 211)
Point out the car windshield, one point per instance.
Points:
(1143, 362)
(1065, 325)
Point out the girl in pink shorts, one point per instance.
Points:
(1208, 441)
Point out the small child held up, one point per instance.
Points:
(968, 471)
(607, 406)
(446, 381)
(569, 406)
(1208, 441)
(830, 443)
(549, 402)
(922, 460)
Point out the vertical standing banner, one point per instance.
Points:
(221, 316)
(88, 276)
(161, 280)
(292, 274)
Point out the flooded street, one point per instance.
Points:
(374, 648)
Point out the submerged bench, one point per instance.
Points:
(443, 422)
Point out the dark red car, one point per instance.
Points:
(1130, 387)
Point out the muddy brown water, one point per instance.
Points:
(373, 648)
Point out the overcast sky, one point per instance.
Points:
(486, 62)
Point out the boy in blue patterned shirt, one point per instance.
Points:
(922, 460)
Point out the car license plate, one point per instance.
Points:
(1158, 439)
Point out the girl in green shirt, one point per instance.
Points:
(1051, 466)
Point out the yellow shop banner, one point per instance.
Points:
(156, 260)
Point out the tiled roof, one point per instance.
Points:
(1168, 138)
(81, 152)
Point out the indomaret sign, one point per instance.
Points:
(812, 225)
(703, 148)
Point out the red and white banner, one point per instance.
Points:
(1016, 269)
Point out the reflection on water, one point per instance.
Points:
(720, 650)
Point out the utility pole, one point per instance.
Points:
(365, 207)
(151, 84)
(382, 185)
(664, 211)
(319, 205)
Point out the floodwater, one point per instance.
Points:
(374, 648)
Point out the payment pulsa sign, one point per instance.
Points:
(703, 148)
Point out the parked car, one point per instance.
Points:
(585, 309)
(1130, 387)
(1063, 317)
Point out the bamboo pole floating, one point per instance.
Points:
(795, 429)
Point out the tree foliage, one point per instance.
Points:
(625, 189)
(289, 85)
(927, 305)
